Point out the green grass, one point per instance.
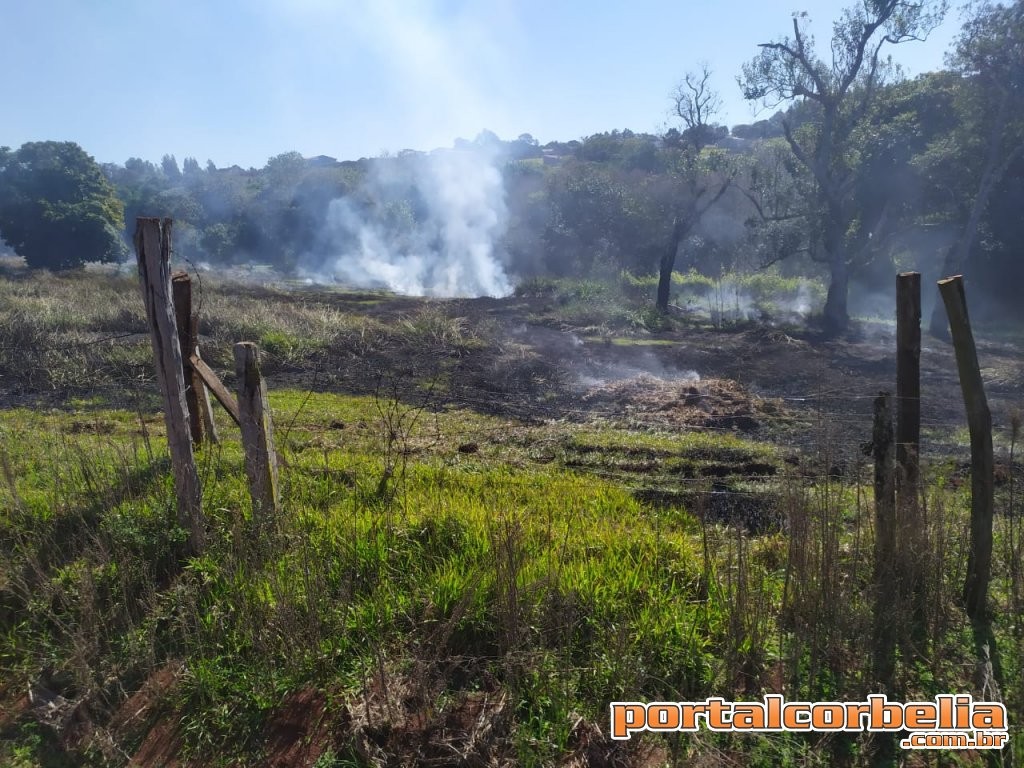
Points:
(388, 569)
(570, 590)
(626, 305)
(427, 562)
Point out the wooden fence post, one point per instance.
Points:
(911, 534)
(886, 596)
(257, 432)
(908, 387)
(181, 285)
(979, 421)
(153, 251)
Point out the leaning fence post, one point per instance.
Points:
(153, 251)
(257, 432)
(979, 421)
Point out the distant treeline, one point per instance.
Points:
(914, 155)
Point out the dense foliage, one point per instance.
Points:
(57, 209)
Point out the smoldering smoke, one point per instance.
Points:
(446, 247)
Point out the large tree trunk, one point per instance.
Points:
(836, 316)
(668, 263)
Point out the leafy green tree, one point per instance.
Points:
(285, 170)
(907, 118)
(526, 194)
(218, 241)
(146, 190)
(841, 92)
(169, 164)
(57, 209)
(775, 184)
(989, 55)
(602, 216)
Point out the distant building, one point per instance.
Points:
(322, 161)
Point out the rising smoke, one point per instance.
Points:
(426, 229)
(430, 230)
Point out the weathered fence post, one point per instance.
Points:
(886, 596)
(181, 285)
(979, 421)
(257, 432)
(153, 250)
(908, 388)
(885, 572)
(912, 535)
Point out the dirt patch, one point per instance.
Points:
(13, 707)
(162, 746)
(146, 715)
(296, 735)
(303, 729)
(589, 747)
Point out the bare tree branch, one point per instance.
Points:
(696, 104)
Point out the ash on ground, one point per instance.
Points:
(686, 403)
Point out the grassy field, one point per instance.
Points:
(473, 558)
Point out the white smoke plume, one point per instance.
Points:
(446, 67)
(444, 249)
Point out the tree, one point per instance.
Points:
(57, 209)
(775, 184)
(590, 221)
(169, 164)
(989, 55)
(702, 180)
(285, 170)
(696, 104)
(841, 91)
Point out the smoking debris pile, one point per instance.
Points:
(650, 401)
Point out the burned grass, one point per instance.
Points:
(491, 530)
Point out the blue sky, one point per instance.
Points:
(238, 81)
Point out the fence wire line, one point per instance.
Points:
(36, 348)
